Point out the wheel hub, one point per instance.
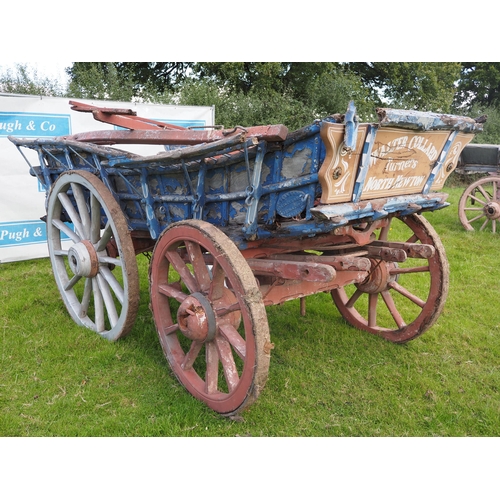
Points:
(196, 318)
(492, 210)
(83, 260)
(379, 277)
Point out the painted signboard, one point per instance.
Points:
(391, 162)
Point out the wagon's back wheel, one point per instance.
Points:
(100, 291)
(209, 315)
(399, 301)
(479, 205)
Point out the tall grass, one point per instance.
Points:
(326, 378)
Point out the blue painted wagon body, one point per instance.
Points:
(240, 219)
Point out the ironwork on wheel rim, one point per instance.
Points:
(209, 316)
(99, 288)
(399, 301)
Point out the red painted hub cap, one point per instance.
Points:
(196, 318)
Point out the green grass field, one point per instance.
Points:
(326, 378)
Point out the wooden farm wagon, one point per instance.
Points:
(244, 218)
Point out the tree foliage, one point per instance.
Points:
(326, 94)
(491, 129)
(94, 80)
(291, 77)
(245, 109)
(479, 85)
(242, 93)
(426, 86)
(25, 80)
(292, 93)
(218, 85)
(157, 77)
(415, 85)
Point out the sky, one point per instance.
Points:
(49, 69)
(373, 31)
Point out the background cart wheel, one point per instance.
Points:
(399, 301)
(210, 316)
(479, 206)
(92, 254)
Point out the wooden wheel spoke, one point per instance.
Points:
(212, 368)
(222, 311)
(235, 339)
(228, 364)
(389, 302)
(480, 216)
(98, 306)
(218, 281)
(105, 238)
(200, 269)
(169, 330)
(66, 230)
(191, 355)
(83, 210)
(72, 282)
(485, 223)
(473, 209)
(72, 213)
(479, 200)
(108, 300)
(406, 293)
(172, 291)
(355, 296)
(372, 309)
(95, 220)
(486, 195)
(87, 294)
(113, 283)
(104, 259)
(180, 266)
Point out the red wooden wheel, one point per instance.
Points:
(479, 205)
(399, 301)
(209, 315)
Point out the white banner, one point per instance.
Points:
(22, 197)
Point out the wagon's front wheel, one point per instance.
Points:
(92, 254)
(479, 205)
(209, 315)
(399, 301)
